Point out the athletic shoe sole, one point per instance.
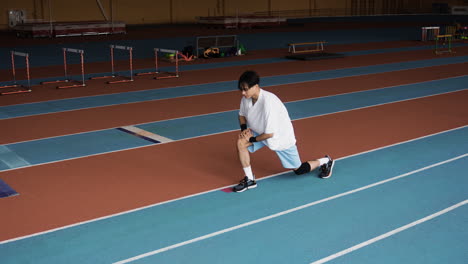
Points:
(331, 170)
(245, 189)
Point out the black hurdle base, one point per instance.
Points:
(314, 56)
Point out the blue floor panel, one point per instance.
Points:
(6, 191)
(183, 128)
(300, 237)
(74, 146)
(440, 240)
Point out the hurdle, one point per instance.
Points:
(176, 60)
(113, 74)
(318, 47)
(156, 71)
(446, 39)
(175, 74)
(429, 33)
(13, 70)
(65, 69)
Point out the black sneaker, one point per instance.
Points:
(245, 184)
(326, 169)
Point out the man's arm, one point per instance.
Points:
(248, 135)
(263, 137)
(242, 122)
(243, 125)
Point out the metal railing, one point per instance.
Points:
(327, 12)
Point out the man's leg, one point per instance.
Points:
(325, 163)
(327, 168)
(291, 160)
(244, 157)
(308, 166)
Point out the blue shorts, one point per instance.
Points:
(289, 157)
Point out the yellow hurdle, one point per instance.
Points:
(447, 42)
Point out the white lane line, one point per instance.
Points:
(390, 233)
(263, 219)
(205, 192)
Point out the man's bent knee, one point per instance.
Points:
(242, 145)
(304, 168)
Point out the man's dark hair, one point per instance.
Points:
(249, 78)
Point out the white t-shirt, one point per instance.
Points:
(269, 115)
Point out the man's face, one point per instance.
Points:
(248, 92)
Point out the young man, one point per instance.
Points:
(264, 121)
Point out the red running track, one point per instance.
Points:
(68, 192)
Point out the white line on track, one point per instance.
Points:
(263, 219)
(209, 191)
(390, 233)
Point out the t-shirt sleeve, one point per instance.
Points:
(271, 121)
(242, 110)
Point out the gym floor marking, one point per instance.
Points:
(144, 134)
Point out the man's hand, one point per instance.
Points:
(246, 134)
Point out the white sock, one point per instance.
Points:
(323, 161)
(248, 173)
